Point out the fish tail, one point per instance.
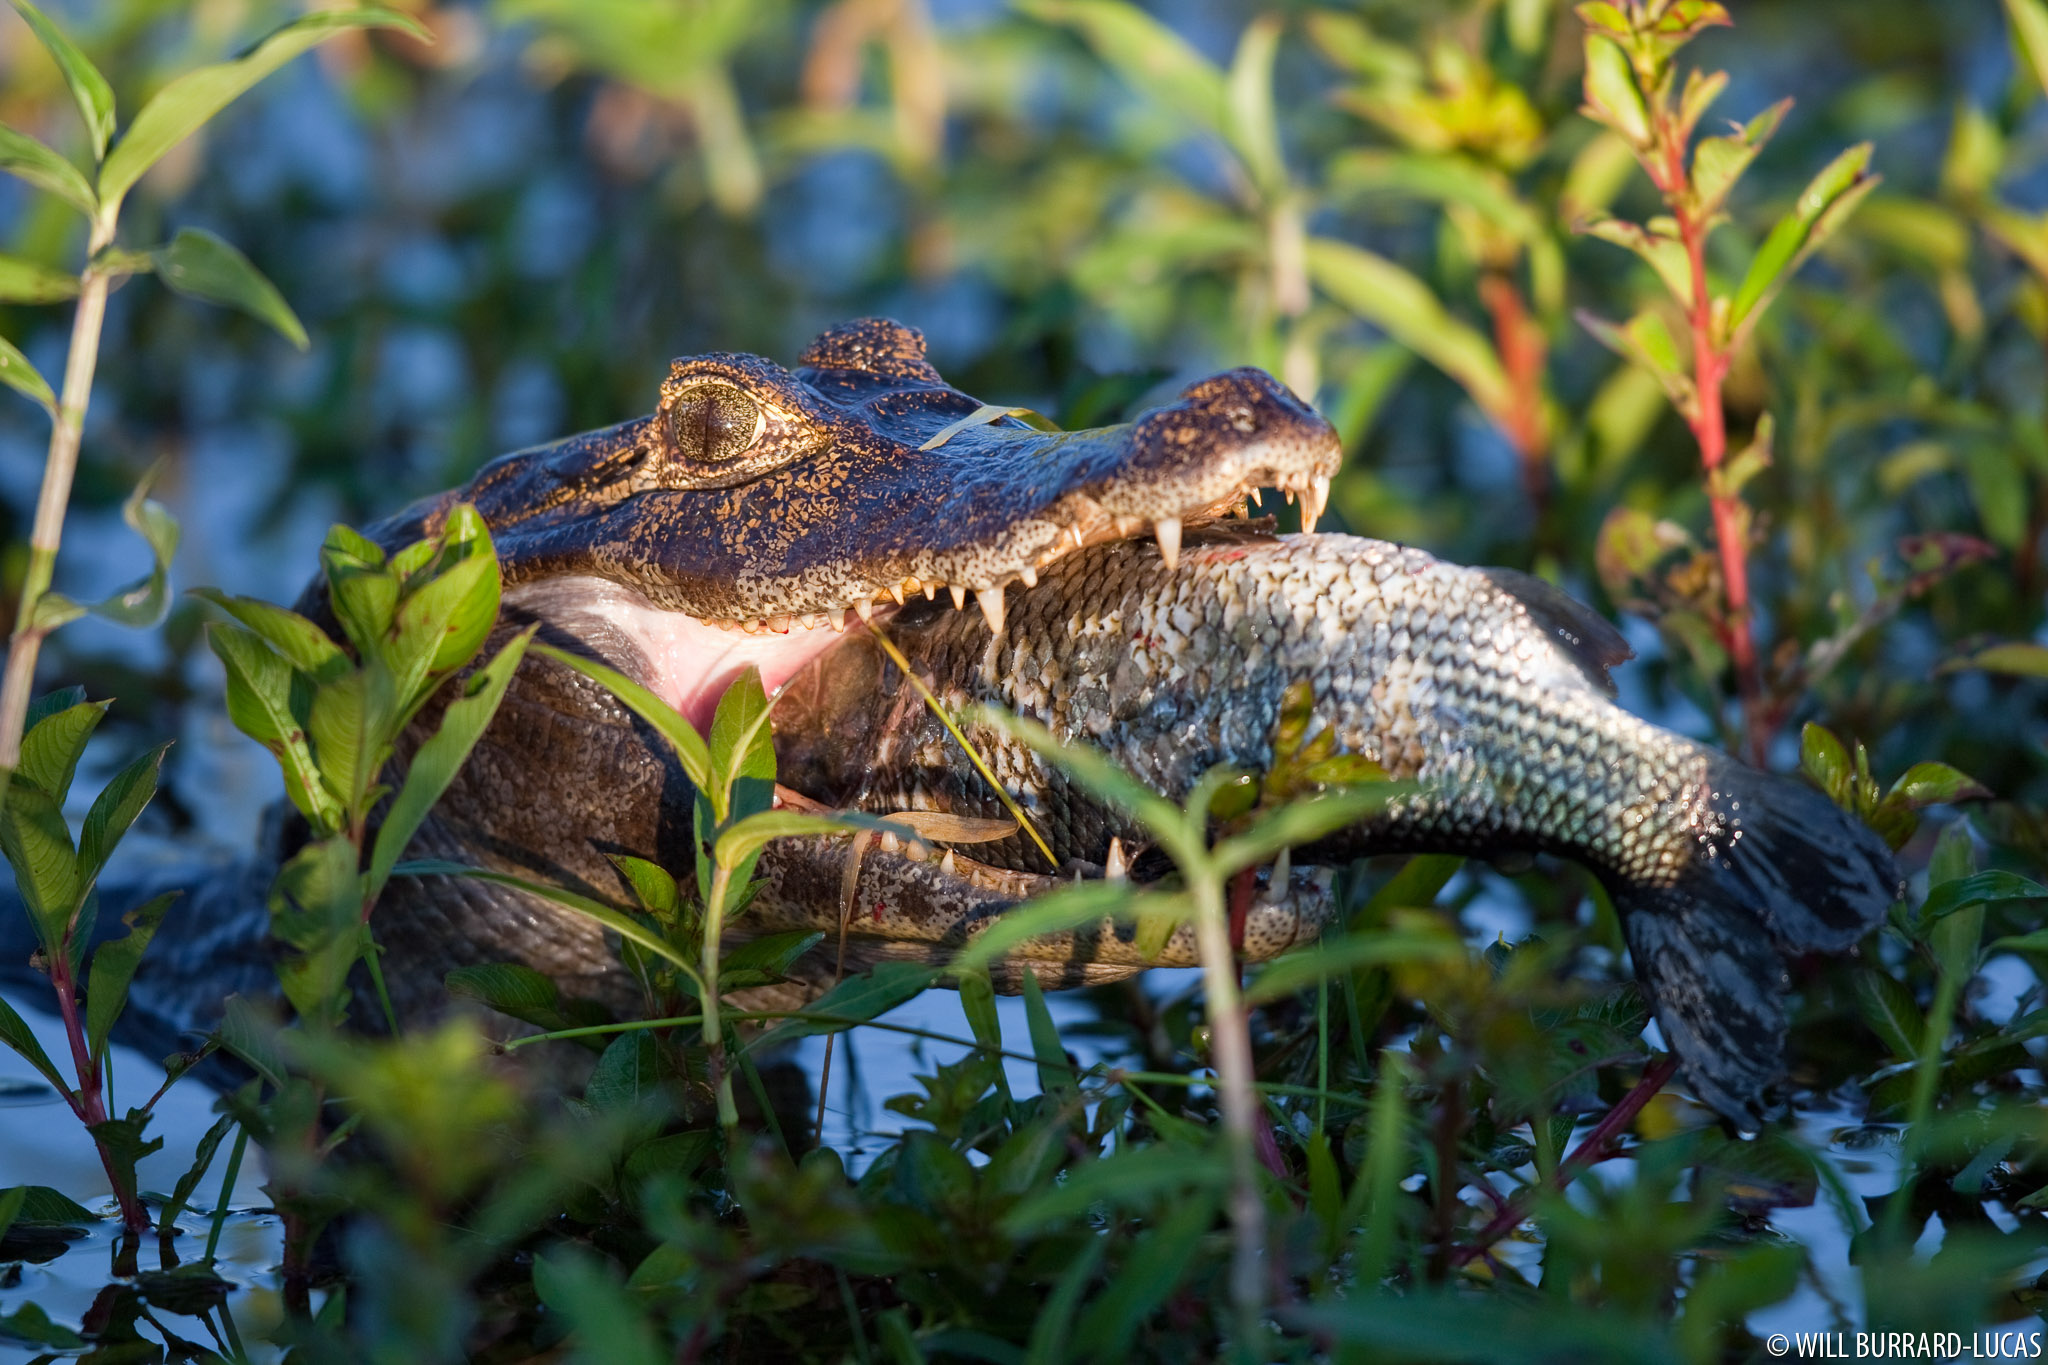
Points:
(1788, 872)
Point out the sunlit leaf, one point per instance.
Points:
(1819, 211)
(183, 106)
(1252, 125)
(263, 697)
(1156, 60)
(2029, 20)
(200, 265)
(750, 835)
(1612, 96)
(89, 89)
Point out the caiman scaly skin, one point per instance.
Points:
(761, 516)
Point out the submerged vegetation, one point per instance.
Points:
(1787, 418)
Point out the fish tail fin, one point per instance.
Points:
(1787, 872)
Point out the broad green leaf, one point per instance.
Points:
(1981, 888)
(113, 968)
(1820, 209)
(681, 735)
(24, 281)
(742, 750)
(620, 923)
(766, 960)
(200, 265)
(263, 704)
(1888, 1007)
(1935, 784)
(29, 1323)
(1295, 971)
(1824, 759)
(114, 810)
(95, 98)
(52, 744)
(438, 760)
(1404, 308)
(37, 844)
(15, 1032)
(338, 728)
(182, 107)
(750, 835)
(443, 619)
(144, 602)
(23, 156)
(1612, 96)
(2029, 20)
(853, 1001)
(304, 645)
(17, 374)
(652, 884)
(248, 1033)
(1156, 61)
(513, 989)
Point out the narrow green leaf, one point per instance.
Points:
(15, 1032)
(1140, 1177)
(1055, 1072)
(690, 748)
(1089, 767)
(2029, 20)
(1252, 126)
(1438, 178)
(1295, 971)
(1824, 760)
(182, 107)
(446, 606)
(1981, 888)
(144, 602)
(113, 968)
(1157, 1263)
(24, 281)
(438, 760)
(1888, 1007)
(1304, 821)
(17, 374)
(1660, 250)
(304, 645)
(95, 98)
(750, 835)
(1821, 207)
(200, 265)
(766, 960)
(1157, 62)
(1612, 97)
(2024, 660)
(28, 159)
(10, 1205)
(50, 748)
(1936, 784)
(260, 697)
(202, 1158)
(114, 810)
(853, 1001)
(1407, 310)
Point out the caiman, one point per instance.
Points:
(765, 517)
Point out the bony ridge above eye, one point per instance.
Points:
(713, 422)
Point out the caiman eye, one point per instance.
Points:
(713, 423)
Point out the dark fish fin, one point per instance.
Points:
(1818, 878)
(1718, 985)
(1589, 638)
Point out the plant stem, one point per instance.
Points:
(89, 1102)
(714, 1033)
(1231, 1040)
(59, 467)
(1520, 343)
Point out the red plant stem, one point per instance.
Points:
(1591, 1152)
(1520, 344)
(90, 1102)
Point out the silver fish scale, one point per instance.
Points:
(1434, 671)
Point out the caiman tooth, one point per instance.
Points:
(1166, 531)
(778, 625)
(1029, 575)
(959, 595)
(1314, 500)
(865, 609)
(990, 600)
(946, 864)
(1114, 868)
(888, 842)
(1129, 526)
(1075, 532)
(896, 591)
(837, 616)
(1257, 501)
(931, 590)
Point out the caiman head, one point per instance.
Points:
(759, 518)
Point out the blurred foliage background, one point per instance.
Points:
(503, 237)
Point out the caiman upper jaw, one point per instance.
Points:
(870, 497)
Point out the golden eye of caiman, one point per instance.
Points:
(713, 423)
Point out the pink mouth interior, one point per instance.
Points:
(690, 664)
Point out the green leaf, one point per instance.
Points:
(510, 988)
(681, 735)
(742, 750)
(31, 1324)
(652, 885)
(1137, 1178)
(142, 603)
(263, 703)
(339, 726)
(1888, 1007)
(1657, 245)
(1821, 208)
(1824, 760)
(202, 1158)
(304, 645)
(750, 835)
(438, 760)
(765, 960)
(113, 968)
(1438, 178)
(1156, 1265)
(853, 1001)
(200, 265)
(1982, 888)
(1055, 1072)
(1252, 127)
(10, 1205)
(443, 618)
(1612, 96)
(24, 281)
(2024, 660)
(1404, 308)
(114, 810)
(248, 1033)
(17, 374)
(2029, 20)
(1304, 821)
(37, 844)
(1937, 784)
(15, 1032)
(1154, 59)
(51, 746)
(182, 107)
(95, 98)
(1291, 973)
(1718, 162)
(23, 156)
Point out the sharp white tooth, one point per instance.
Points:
(896, 591)
(1129, 526)
(837, 616)
(946, 863)
(990, 600)
(779, 625)
(865, 609)
(889, 843)
(1075, 532)
(959, 595)
(1314, 501)
(1114, 868)
(1029, 575)
(1257, 501)
(1289, 494)
(1166, 531)
(931, 590)
(753, 627)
